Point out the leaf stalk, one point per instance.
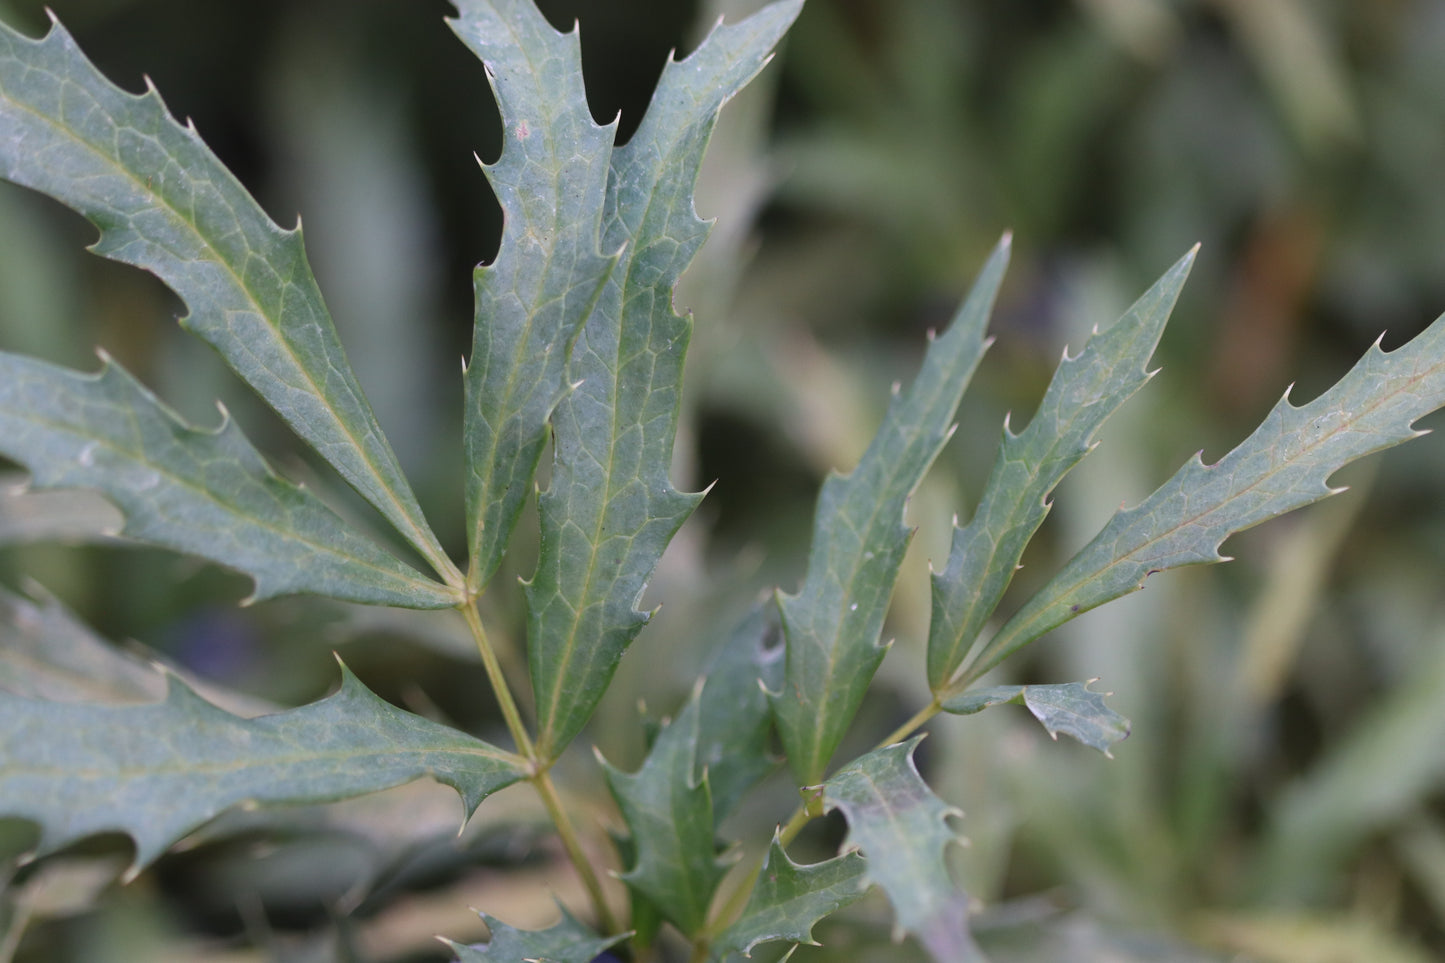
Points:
(503, 692)
(572, 843)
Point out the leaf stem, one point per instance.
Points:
(570, 841)
(541, 778)
(505, 702)
(737, 899)
(912, 725)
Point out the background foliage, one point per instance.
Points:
(1281, 794)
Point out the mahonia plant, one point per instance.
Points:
(576, 342)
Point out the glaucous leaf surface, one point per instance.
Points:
(566, 941)
(668, 810)
(206, 493)
(551, 181)
(1285, 464)
(901, 828)
(1085, 390)
(1069, 708)
(789, 899)
(165, 203)
(832, 625)
(155, 772)
(611, 509)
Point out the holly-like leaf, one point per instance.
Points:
(1070, 708)
(206, 493)
(902, 829)
(789, 899)
(158, 771)
(669, 815)
(832, 625)
(1285, 464)
(611, 509)
(735, 722)
(551, 181)
(566, 941)
(165, 203)
(1085, 391)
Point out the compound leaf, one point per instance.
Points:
(611, 509)
(1070, 708)
(551, 181)
(158, 771)
(566, 941)
(669, 814)
(163, 202)
(207, 493)
(832, 625)
(1285, 464)
(789, 899)
(901, 827)
(1084, 392)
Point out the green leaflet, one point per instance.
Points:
(207, 493)
(1069, 708)
(1285, 464)
(832, 625)
(789, 899)
(551, 181)
(735, 724)
(611, 509)
(1084, 392)
(900, 826)
(163, 202)
(566, 941)
(160, 770)
(669, 814)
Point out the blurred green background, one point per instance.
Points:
(1280, 798)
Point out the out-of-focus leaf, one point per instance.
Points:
(1307, 938)
(1292, 51)
(207, 493)
(611, 509)
(1069, 708)
(1085, 391)
(67, 516)
(1420, 845)
(902, 829)
(1385, 767)
(158, 771)
(568, 941)
(47, 653)
(669, 815)
(551, 181)
(734, 719)
(1285, 464)
(832, 625)
(165, 203)
(789, 899)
